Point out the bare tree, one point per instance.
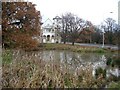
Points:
(109, 29)
(71, 27)
(64, 32)
(75, 26)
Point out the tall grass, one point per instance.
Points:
(28, 72)
(32, 73)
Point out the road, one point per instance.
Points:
(113, 47)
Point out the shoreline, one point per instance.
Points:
(75, 48)
(69, 47)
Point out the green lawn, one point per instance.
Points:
(75, 48)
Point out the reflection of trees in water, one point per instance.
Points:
(69, 60)
(75, 60)
(92, 57)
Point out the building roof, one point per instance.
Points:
(47, 23)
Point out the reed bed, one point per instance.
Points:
(27, 72)
(24, 71)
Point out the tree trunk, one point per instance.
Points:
(73, 43)
(90, 39)
(64, 40)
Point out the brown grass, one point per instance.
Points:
(32, 73)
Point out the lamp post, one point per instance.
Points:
(103, 38)
(103, 35)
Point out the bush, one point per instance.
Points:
(99, 71)
(114, 61)
(114, 85)
(7, 56)
(25, 42)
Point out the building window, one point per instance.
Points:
(49, 30)
(52, 36)
(52, 30)
(48, 37)
(44, 36)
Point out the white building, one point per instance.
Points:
(50, 34)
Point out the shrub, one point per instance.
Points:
(7, 56)
(114, 85)
(113, 61)
(99, 71)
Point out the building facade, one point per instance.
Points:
(50, 33)
(119, 12)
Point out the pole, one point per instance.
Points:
(103, 36)
(103, 39)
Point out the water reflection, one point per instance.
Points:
(71, 60)
(113, 71)
(75, 60)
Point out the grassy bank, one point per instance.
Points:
(75, 48)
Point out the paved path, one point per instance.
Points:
(114, 47)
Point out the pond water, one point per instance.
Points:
(71, 60)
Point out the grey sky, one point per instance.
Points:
(93, 10)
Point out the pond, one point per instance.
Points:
(71, 60)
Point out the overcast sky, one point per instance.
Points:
(93, 10)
